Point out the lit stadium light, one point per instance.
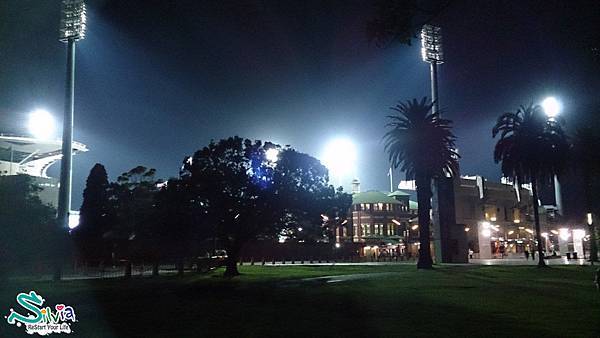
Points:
(73, 21)
(551, 107)
(73, 220)
(340, 158)
(41, 124)
(431, 44)
(272, 155)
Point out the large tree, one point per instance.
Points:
(422, 145)
(532, 149)
(28, 232)
(247, 196)
(95, 215)
(132, 202)
(587, 162)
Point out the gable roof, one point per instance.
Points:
(398, 193)
(373, 196)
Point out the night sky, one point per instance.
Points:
(157, 80)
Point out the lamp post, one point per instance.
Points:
(552, 108)
(72, 29)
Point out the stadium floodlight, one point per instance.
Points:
(551, 107)
(72, 29)
(272, 155)
(432, 53)
(73, 21)
(41, 124)
(431, 44)
(340, 158)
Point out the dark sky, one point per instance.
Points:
(157, 80)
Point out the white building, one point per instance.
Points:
(33, 157)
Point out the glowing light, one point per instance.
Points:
(73, 21)
(396, 222)
(564, 234)
(517, 221)
(467, 229)
(511, 232)
(300, 229)
(485, 224)
(337, 245)
(340, 158)
(551, 107)
(493, 219)
(529, 231)
(41, 124)
(578, 234)
(554, 232)
(486, 232)
(545, 235)
(272, 155)
(589, 218)
(73, 220)
(415, 227)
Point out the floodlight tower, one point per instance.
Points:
(432, 53)
(72, 29)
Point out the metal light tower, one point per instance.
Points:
(431, 52)
(72, 29)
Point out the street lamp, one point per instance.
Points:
(552, 108)
(72, 29)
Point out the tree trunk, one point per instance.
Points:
(424, 200)
(588, 208)
(155, 268)
(231, 261)
(180, 266)
(536, 217)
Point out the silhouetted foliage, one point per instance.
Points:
(587, 162)
(400, 21)
(422, 145)
(28, 231)
(245, 196)
(96, 216)
(531, 148)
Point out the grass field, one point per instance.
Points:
(395, 300)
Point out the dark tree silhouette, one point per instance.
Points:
(95, 215)
(531, 149)
(399, 21)
(28, 233)
(586, 144)
(132, 201)
(422, 145)
(246, 196)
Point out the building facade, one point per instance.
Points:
(383, 223)
(33, 157)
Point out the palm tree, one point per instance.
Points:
(422, 145)
(586, 144)
(531, 149)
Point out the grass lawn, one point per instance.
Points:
(396, 300)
